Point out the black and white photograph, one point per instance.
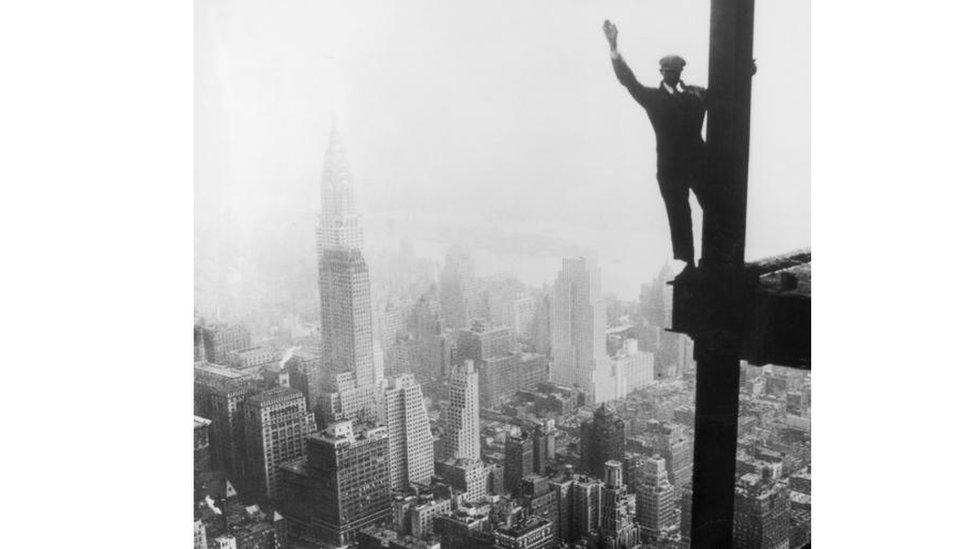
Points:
(487, 275)
(502, 275)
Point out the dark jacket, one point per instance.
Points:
(677, 120)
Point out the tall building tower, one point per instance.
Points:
(762, 513)
(276, 424)
(340, 487)
(463, 414)
(656, 505)
(347, 333)
(686, 498)
(544, 445)
(431, 353)
(490, 347)
(457, 287)
(344, 291)
(219, 393)
(408, 427)
(602, 438)
(617, 529)
(561, 485)
(340, 224)
(540, 335)
(672, 442)
(519, 460)
(578, 327)
(586, 507)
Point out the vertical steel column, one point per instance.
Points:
(718, 339)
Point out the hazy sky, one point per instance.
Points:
(499, 117)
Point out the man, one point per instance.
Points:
(677, 112)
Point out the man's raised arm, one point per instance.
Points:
(620, 68)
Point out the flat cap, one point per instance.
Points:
(672, 62)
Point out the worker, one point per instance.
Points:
(677, 112)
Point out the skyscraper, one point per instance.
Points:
(341, 486)
(344, 292)
(656, 505)
(586, 507)
(491, 349)
(463, 412)
(578, 327)
(276, 424)
(672, 442)
(617, 529)
(219, 395)
(518, 460)
(686, 498)
(340, 224)
(481, 342)
(762, 513)
(411, 443)
(602, 438)
(457, 287)
(347, 334)
(431, 351)
(544, 445)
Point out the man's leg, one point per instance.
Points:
(675, 194)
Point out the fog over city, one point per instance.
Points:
(496, 125)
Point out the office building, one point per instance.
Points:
(201, 445)
(346, 309)
(219, 393)
(543, 445)
(276, 424)
(586, 507)
(482, 341)
(657, 510)
(762, 513)
(470, 476)
(228, 337)
(431, 355)
(408, 427)
(672, 442)
(530, 533)
(531, 370)
(463, 414)
(578, 328)
(617, 528)
(602, 438)
(519, 460)
(341, 486)
(498, 379)
(457, 287)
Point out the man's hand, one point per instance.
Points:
(610, 30)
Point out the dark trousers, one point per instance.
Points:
(674, 191)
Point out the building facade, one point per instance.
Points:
(578, 327)
(408, 427)
(463, 414)
(762, 513)
(276, 424)
(602, 438)
(519, 460)
(341, 486)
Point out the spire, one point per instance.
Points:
(341, 225)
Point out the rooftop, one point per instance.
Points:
(275, 394)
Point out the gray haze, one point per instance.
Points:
(487, 122)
